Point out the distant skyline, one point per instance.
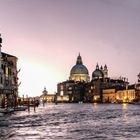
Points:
(48, 35)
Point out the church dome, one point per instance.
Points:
(79, 71)
(97, 73)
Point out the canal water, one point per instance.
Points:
(73, 122)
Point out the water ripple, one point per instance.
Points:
(73, 122)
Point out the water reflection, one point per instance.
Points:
(125, 113)
(73, 121)
(124, 106)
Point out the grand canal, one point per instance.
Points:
(73, 122)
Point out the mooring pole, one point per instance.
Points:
(34, 105)
(28, 102)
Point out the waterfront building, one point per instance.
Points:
(109, 95)
(113, 89)
(45, 97)
(65, 91)
(126, 95)
(99, 81)
(101, 88)
(74, 89)
(119, 94)
(137, 89)
(8, 80)
(1, 75)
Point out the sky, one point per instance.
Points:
(47, 36)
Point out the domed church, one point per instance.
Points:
(79, 72)
(101, 88)
(79, 88)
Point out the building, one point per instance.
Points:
(119, 95)
(74, 89)
(65, 91)
(8, 79)
(126, 95)
(47, 98)
(137, 89)
(109, 95)
(101, 88)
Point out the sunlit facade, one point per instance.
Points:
(125, 96)
(109, 95)
(119, 95)
(46, 97)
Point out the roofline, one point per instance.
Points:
(8, 55)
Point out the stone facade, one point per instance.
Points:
(8, 80)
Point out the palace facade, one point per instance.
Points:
(8, 79)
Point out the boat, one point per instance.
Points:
(20, 108)
(6, 110)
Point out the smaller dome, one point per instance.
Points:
(97, 74)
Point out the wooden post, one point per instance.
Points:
(23, 103)
(34, 105)
(28, 100)
(15, 105)
(6, 103)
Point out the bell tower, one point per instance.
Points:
(105, 71)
